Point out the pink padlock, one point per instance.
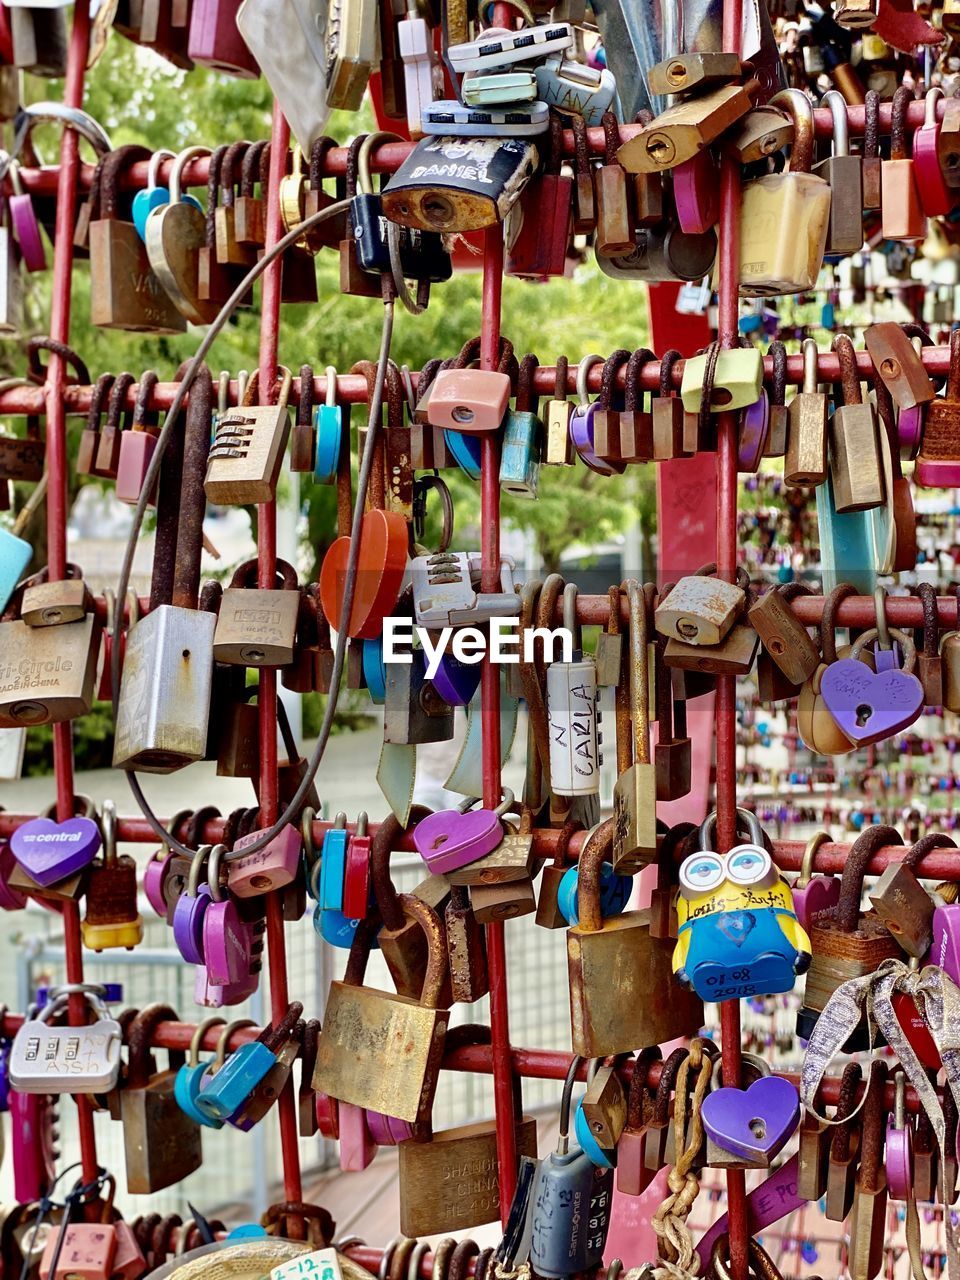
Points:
(388, 1131)
(25, 225)
(273, 867)
(357, 1147)
(88, 1251)
(469, 400)
(225, 952)
(137, 445)
(696, 194)
(215, 40)
(128, 1262)
(814, 893)
(935, 195)
(899, 1144)
(945, 949)
(209, 995)
(33, 1120)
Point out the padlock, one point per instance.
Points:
(49, 604)
(572, 713)
(164, 699)
(466, 949)
(608, 655)
(855, 466)
(937, 462)
(737, 380)
(360, 1025)
(558, 445)
(614, 215)
(270, 868)
(66, 1059)
(813, 894)
(189, 1077)
(700, 609)
(584, 199)
(760, 133)
(471, 400)
(112, 918)
(735, 1141)
(901, 901)
(606, 414)
(450, 116)
(438, 187)
(161, 1142)
(672, 753)
(635, 791)
(867, 708)
(83, 1250)
(948, 148)
(571, 1202)
(583, 418)
(846, 944)
(784, 637)
(678, 133)
(257, 628)
(538, 232)
(549, 915)
(450, 839)
(176, 233)
(215, 41)
(331, 423)
(52, 857)
(633, 1177)
(902, 214)
(604, 1021)
(785, 216)
(575, 89)
(805, 463)
(869, 1214)
(224, 1093)
(125, 292)
(137, 444)
(504, 900)
(935, 197)
(635, 422)
(247, 449)
(778, 425)
(738, 934)
(90, 436)
(844, 173)
(689, 72)
(844, 1148)
(930, 665)
(522, 438)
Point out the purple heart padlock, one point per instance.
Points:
(450, 839)
(582, 423)
(945, 950)
(868, 706)
(754, 427)
(50, 851)
(153, 878)
(456, 681)
(910, 431)
(25, 225)
(188, 917)
(752, 1123)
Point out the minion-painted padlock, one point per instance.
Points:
(738, 935)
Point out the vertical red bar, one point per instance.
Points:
(490, 698)
(57, 506)
(267, 697)
(729, 282)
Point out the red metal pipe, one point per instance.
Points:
(352, 389)
(267, 696)
(388, 157)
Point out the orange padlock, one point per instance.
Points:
(901, 212)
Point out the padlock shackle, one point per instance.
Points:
(228, 175)
(186, 576)
(632, 391)
(931, 622)
(844, 1131)
(931, 98)
(849, 377)
(637, 659)
(196, 1040)
(847, 910)
(139, 1040)
(153, 168)
(809, 853)
(583, 368)
(389, 833)
(141, 411)
(596, 850)
(638, 1084)
(926, 844)
(828, 629)
(834, 100)
(874, 1123)
(250, 169)
(799, 106)
(318, 154)
(113, 165)
(432, 926)
(118, 394)
(665, 1085)
(176, 171)
(898, 121)
(608, 378)
(905, 640)
(871, 125)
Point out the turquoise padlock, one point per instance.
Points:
(334, 927)
(330, 420)
(153, 197)
(224, 1092)
(188, 1081)
(589, 1145)
(333, 865)
(374, 670)
(465, 451)
(615, 893)
(520, 454)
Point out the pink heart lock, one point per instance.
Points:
(868, 706)
(50, 851)
(451, 838)
(814, 893)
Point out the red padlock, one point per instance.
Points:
(696, 193)
(540, 221)
(215, 40)
(934, 193)
(356, 880)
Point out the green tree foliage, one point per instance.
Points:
(141, 98)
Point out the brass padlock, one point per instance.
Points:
(604, 1106)
(929, 662)
(701, 608)
(512, 859)
(784, 637)
(255, 627)
(672, 753)
(776, 445)
(402, 941)
(356, 1054)
(678, 133)
(48, 604)
(844, 173)
(608, 654)
(856, 471)
(805, 463)
(645, 1005)
(466, 947)
(247, 450)
(844, 1148)
(816, 726)
(689, 71)
(635, 791)
(492, 903)
(161, 1142)
(760, 133)
(901, 901)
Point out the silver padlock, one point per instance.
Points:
(444, 594)
(573, 715)
(575, 88)
(46, 1059)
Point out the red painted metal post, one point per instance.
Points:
(267, 697)
(58, 471)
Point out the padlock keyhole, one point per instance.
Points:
(463, 414)
(864, 713)
(688, 629)
(758, 1127)
(439, 840)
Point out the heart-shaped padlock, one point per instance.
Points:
(753, 1123)
(869, 706)
(50, 851)
(225, 952)
(452, 838)
(814, 893)
(190, 909)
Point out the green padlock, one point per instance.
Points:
(737, 380)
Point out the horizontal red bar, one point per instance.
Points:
(352, 388)
(388, 157)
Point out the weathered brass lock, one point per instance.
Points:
(48, 604)
(47, 673)
(805, 463)
(645, 1006)
(901, 901)
(678, 133)
(855, 466)
(689, 71)
(784, 637)
(701, 608)
(247, 450)
(255, 627)
(635, 790)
